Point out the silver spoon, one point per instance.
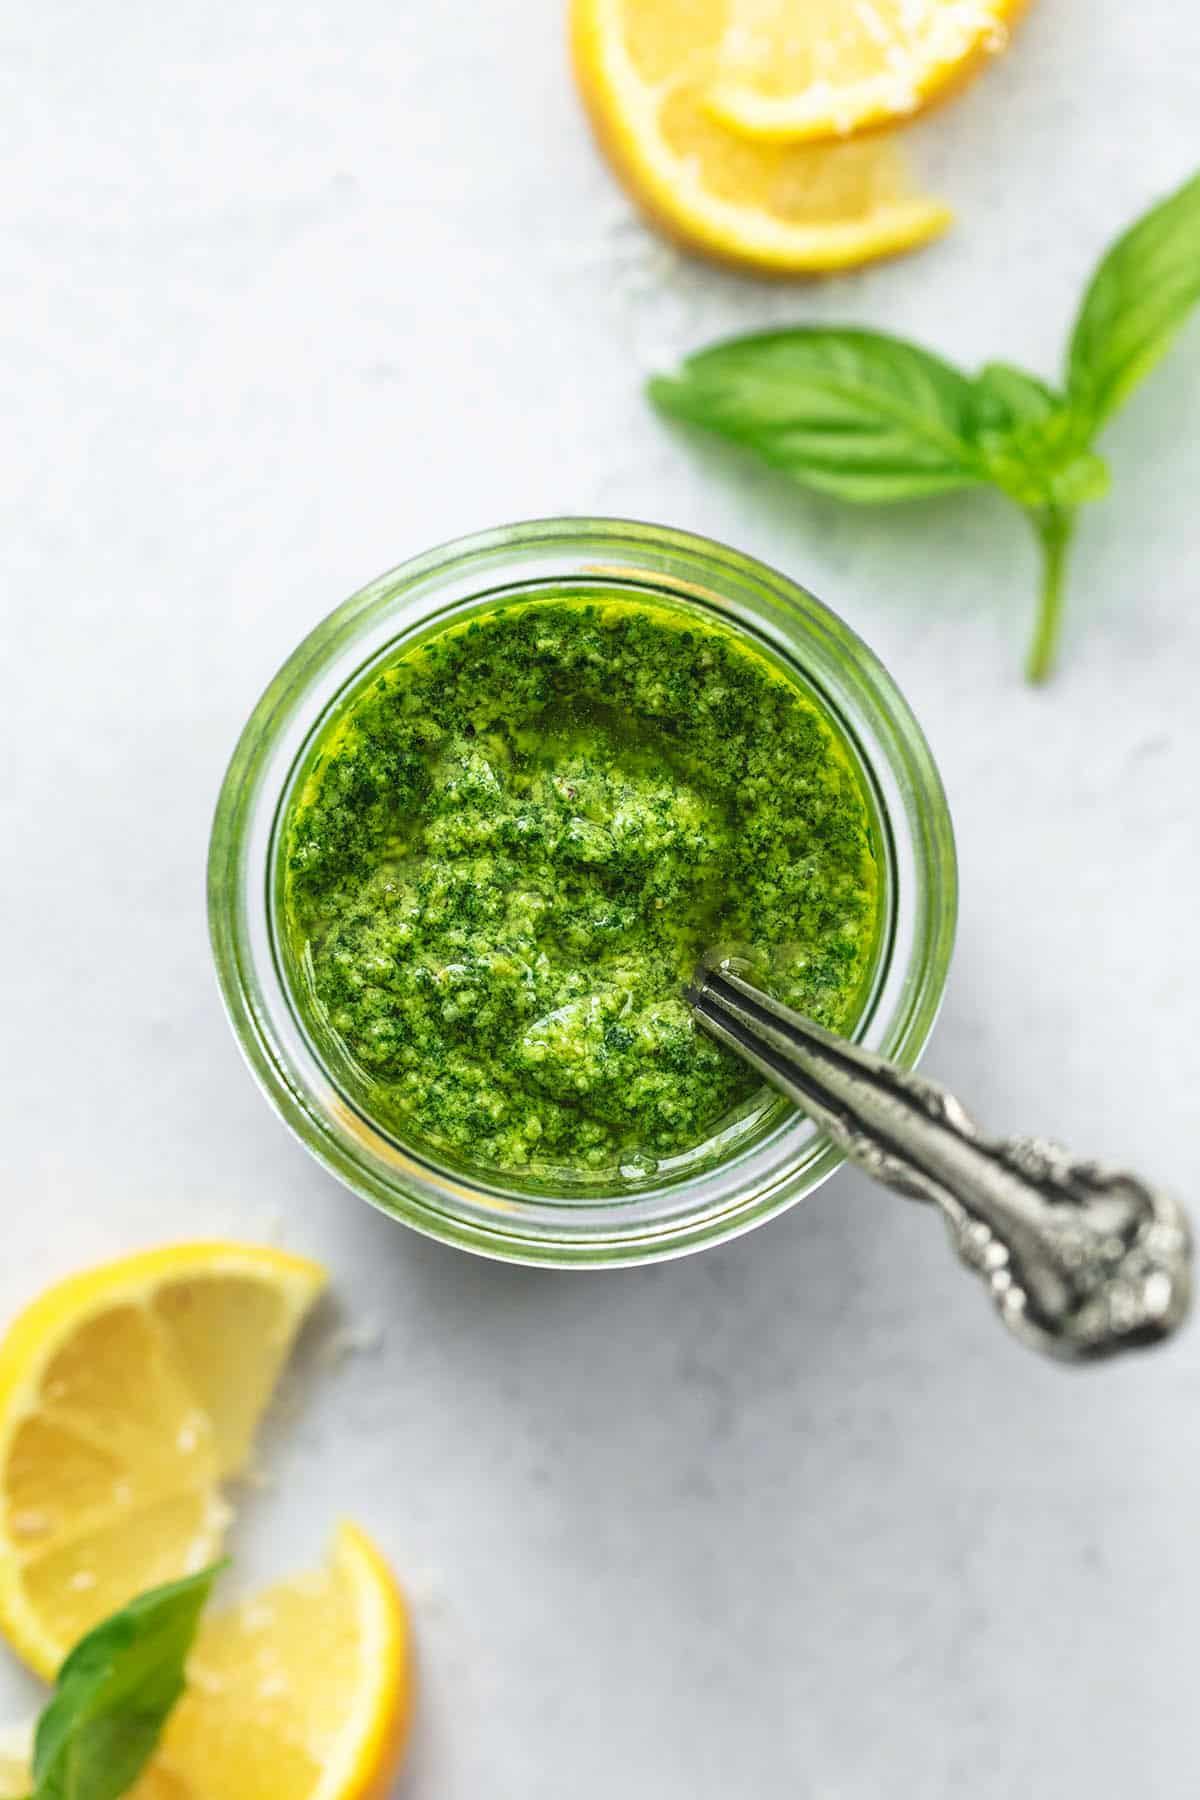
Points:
(1081, 1261)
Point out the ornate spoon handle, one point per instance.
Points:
(1081, 1261)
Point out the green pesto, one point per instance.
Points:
(510, 852)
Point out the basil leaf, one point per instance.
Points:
(869, 418)
(114, 1693)
(1079, 479)
(1043, 462)
(1138, 298)
(1007, 398)
(857, 414)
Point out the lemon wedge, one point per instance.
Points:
(302, 1693)
(16, 1754)
(128, 1394)
(645, 67)
(791, 70)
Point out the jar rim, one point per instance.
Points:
(654, 1219)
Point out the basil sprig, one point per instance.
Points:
(114, 1694)
(873, 419)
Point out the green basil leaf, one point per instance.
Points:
(857, 414)
(1079, 479)
(1138, 298)
(114, 1693)
(1043, 462)
(1007, 398)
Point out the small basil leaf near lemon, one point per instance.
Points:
(114, 1694)
(872, 419)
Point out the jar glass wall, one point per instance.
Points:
(766, 1156)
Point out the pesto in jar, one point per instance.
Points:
(510, 851)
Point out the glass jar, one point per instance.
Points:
(768, 1156)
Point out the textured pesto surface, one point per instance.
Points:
(511, 852)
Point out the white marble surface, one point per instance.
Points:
(293, 291)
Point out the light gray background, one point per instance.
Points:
(291, 292)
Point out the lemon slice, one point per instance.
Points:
(16, 1754)
(789, 70)
(644, 67)
(128, 1394)
(302, 1693)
